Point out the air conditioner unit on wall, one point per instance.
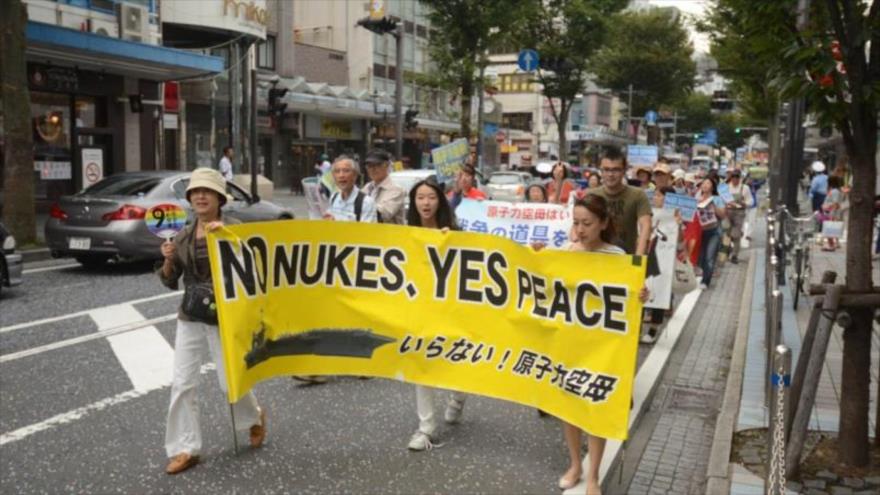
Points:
(133, 22)
(104, 28)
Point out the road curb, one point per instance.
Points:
(34, 255)
(718, 475)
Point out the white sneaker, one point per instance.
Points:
(453, 411)
(703, 286)
(420, 441)
(649, 336)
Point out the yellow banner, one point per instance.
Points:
(463, 311)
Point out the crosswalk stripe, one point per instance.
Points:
(144, 354)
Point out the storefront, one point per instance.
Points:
(96, 106)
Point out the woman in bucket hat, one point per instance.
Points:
(187, 256)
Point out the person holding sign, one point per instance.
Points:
(741, 198)
(388, 197)
(430, 209)
(594, 232)
(710, 212)
(197, 330)
(349, 203)
(465, 187)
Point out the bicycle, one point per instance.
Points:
(799, 232)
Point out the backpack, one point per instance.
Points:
(358, 204)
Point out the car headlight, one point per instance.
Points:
(9, 243)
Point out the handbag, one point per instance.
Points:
(199, 303)
(198, 298)
(684, 278)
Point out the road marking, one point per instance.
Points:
(53, 319)
(78, 413)
(143, 352)
(49, 268)
(646, 379)
(85, 338)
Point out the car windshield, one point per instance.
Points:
(122, 185)
(505, 179)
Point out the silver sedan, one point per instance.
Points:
(106, 221)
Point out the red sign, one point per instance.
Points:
(172, 103)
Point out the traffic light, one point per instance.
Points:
(409, 119)
(378, 26)
(275, 107)
(738, 130)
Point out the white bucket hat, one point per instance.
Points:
(208, 178)
(818, 166)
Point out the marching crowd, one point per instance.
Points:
(612, 215)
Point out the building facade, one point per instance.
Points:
(95, 72)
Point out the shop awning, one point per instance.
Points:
(65, 47)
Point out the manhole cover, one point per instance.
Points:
(693, 400)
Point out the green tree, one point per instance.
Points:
(806, 61)
(695, 111)
(18, 158)
(566, 33)
(462, 33)
(650, 51)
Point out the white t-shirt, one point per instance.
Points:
(226, 168)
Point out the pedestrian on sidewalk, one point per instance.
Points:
(710, 211)
(736, 211)
(818, 186)
(594, 231)
(429, 208)
(225, 165)
(197, 329)
(389, 198)
(832, 209)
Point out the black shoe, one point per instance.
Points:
(734, 260)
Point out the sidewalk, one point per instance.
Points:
(671, 449)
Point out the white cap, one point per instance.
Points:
(818, 166)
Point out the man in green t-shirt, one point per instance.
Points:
(629, 206)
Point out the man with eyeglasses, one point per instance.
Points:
(629, 206)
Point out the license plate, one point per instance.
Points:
(79, 243)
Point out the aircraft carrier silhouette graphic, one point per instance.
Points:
(354, 342)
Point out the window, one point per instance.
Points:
(408, 26)
(421, 31)
(266, 53)
(521, 121)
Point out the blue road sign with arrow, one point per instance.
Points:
(528, 60)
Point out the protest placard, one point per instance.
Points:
(664, 240)
(523, 223)
(449, 158)
(687, 205)
(556, 330)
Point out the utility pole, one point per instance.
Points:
(253, 134)
(794, 134)
(480, 121)
(629, 114)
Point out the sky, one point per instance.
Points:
(692, 8)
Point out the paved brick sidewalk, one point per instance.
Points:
(670, 451)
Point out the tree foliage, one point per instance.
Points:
(462, 33)
(649, 50)
(566, 33)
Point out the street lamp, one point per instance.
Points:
(391, 25)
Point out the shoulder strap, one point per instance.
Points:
(358, 205)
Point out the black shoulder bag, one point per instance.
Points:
(198, 298)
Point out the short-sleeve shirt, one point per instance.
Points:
(344, 209)
(606, 249)
(626, 207)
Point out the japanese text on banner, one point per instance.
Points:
(476, 313)
(523, 223)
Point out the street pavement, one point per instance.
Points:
(85, 368)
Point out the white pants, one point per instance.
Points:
(182, 431)
(425, 408)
